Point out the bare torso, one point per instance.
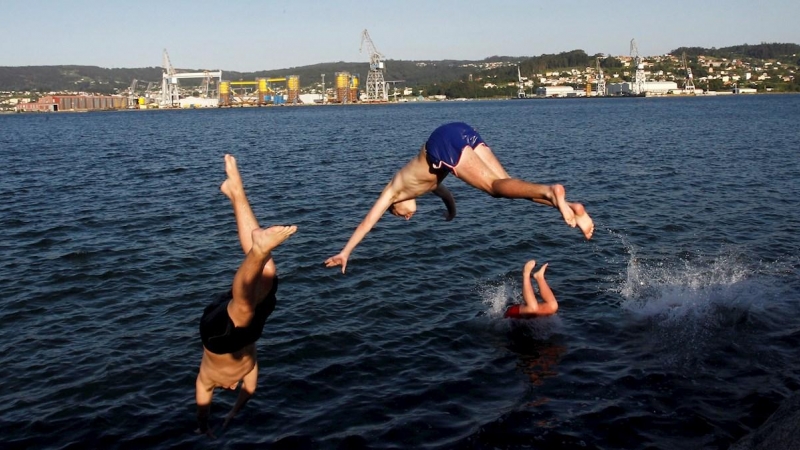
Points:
(416, 178)
(226, 370)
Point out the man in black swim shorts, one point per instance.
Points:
(458, 149)
(231, 325)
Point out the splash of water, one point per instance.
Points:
(697, 287)
(498, 296)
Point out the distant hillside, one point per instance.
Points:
(73, 78)
(109, 81)
(447, 76)
(760, 51)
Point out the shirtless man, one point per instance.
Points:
(532, 307)
(231, 325)
(457, 148)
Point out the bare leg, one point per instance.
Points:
(583, 220)
(505, 186)
(547, 195)
(481, 175)
(487, 156)
(531, 306)
(246, 222)
(248, 283)
(233, 188)
(550, 305)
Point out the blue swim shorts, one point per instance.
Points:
(446, 143)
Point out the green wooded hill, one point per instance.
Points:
(451, 77)
(109, 81)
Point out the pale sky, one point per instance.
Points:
(250, 35)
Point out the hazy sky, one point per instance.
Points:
(249, 35)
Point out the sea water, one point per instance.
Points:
(677, 325)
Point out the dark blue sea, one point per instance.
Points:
(678, 323)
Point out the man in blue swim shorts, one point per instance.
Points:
(230, 326)
(458, 149)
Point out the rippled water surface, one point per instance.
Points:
(677, 325)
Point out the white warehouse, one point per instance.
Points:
(555, 91)
(651, 87)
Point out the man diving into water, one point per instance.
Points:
(459, 149)
(230, 326)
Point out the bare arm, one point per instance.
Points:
(203, 394)
(413, 180)
(448, 199)
(246, 392)
(387, 197)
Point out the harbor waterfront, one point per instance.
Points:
(677, 323)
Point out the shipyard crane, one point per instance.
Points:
(131, 94)
(637, 87)
(520, 85)
(601, 81)
(169, 85)
(688, 87)
(376, 84)
(170, 92)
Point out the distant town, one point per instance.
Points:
(570, 74)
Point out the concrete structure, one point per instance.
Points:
(740, 90)
(310, 99)
(650, 87)
(198, 102)
(75, 103)
(555, 91)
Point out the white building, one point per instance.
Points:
(197, 102)
(650, 87)
(555, 91)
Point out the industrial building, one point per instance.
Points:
(75, 103)
(555, 91)
(648, 87)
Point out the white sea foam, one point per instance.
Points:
(698, 287)
(498, 296)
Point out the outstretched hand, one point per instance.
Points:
(337, 260)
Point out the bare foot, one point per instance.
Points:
(265, 240)
(233, 184)
(583, 220)
(539, 275)
(529, 266)
(559, 198)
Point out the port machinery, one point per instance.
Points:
(689, 83)
(520, 85)
(601, 80)
(638, 85)
(170, 92)
(376, 83)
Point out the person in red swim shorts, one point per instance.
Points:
(532, 307)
